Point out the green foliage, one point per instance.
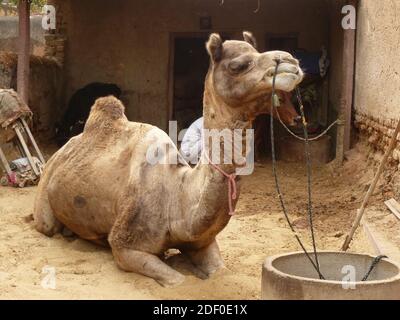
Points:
(36, 5)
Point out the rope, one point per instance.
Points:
(314, 264)
(306, 139)
(373, 265)
(308, 162)
(301, 138)
(232, 189)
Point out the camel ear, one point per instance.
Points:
(249, 38)
(214, 47)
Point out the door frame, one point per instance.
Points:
(171, 62)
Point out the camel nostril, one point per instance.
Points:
(270, 72)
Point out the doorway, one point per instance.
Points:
(73, 121)
(190, 66)
(284, 42)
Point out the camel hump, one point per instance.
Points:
(105, 114)
(109, 107)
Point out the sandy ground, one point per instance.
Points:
(86, 271)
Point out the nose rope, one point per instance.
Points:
(232, 188)
(277, 185)
(315, 264)
(298, 96)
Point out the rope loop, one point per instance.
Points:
(232, 187)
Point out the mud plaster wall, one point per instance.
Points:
(377, 94)
(127, 42)
(9, 35)
(44, 89)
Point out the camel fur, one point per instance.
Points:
(101, 186)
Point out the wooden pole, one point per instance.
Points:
(26, 150)
(23, 49)
(347, 89)
(33, 141)
(5, 162)
(360, 213)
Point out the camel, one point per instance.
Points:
(101, 186)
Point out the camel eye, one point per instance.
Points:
(236, 66)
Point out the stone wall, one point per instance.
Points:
(377, 94)
(377, 131)
(44, 89)
(56, 39)
(55, 47)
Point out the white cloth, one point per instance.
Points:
(192, 142)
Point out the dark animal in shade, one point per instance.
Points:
(74, 118)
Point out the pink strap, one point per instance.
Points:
(12, 178)
(231, 186)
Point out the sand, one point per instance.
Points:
(86, 271)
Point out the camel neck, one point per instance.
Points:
(208, 185)
(224, 135)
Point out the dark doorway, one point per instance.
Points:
(74, 118)
(282, 42)
(191, 63)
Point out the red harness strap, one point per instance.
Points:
(231, 187)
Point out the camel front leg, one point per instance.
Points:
(149, 265)
(43, 215)
(207, 259)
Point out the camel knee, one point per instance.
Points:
(48, 228)
(46, 222)
(207, 259)
(148, 265)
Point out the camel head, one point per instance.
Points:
(240, 78)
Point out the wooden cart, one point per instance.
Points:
(14, 118)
